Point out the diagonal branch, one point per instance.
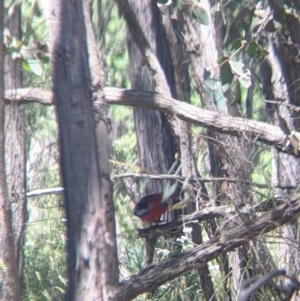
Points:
(155, 275)
(235, 126)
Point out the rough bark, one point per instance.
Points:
(153, 276)
(15, 144)
(211, 48)
(156, 144)
(11, 280)
(235, 126)
(157, 72)
(86, 195)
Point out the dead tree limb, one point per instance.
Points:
(236, 126)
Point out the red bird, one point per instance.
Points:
(150, 207)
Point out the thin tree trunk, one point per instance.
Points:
(15, 144)
(102, 128)
(11, 280)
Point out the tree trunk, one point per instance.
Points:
(85, 176)
(102, 128)
(155, 140)
(156, 143)
(9, 275)
(15, 145)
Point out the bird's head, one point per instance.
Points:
(141, 208)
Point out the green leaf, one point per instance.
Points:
(25, 66)
(60, 289)
(6, 32)
(62, 280)
(164, 3)
(27, 53)
(235, 45)
(225, 69)
(2, 266)
(242, 72)
(38, 275)
(245, 82)
(237, 67)
(262, 52)
(35, 67)
(200, 15)
(237, 94)
(251, 48)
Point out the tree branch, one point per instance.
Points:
(46, 191)
(236, 126)
(190, 179)
(27, 95)
(256, 130)
(251, 285)
(155, 275)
